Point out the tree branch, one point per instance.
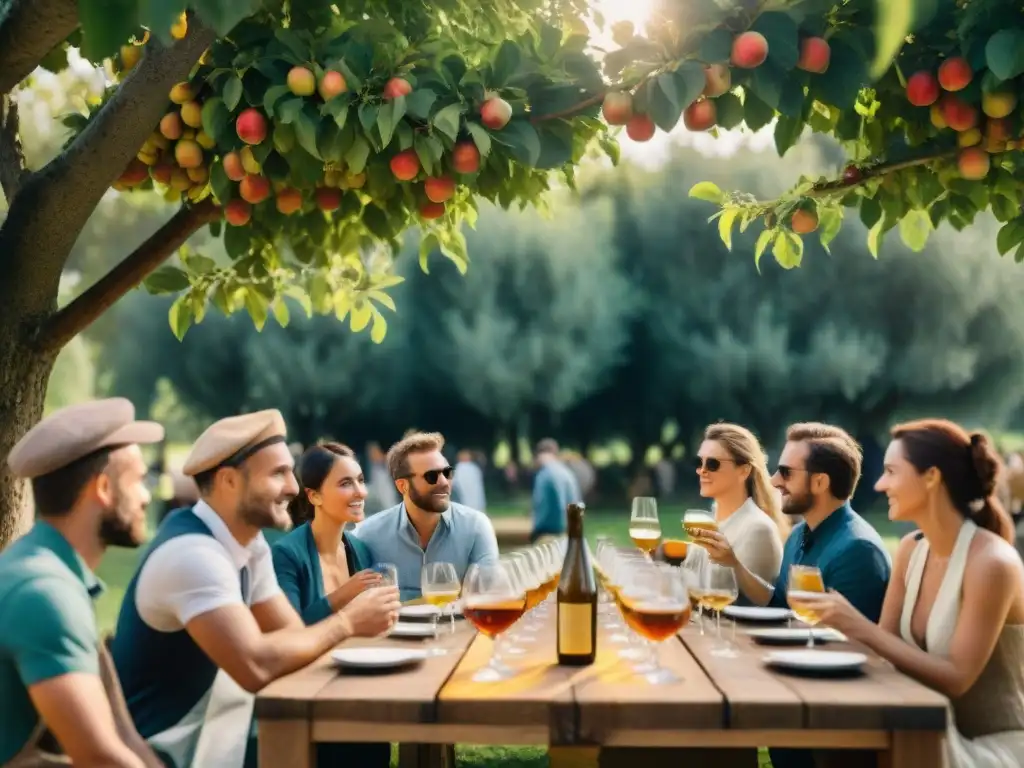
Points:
(30, 29)
(12, 158)
(55, 203)
(105, 292)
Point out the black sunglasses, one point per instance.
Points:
(433, 475)
(786, 472)
(711, 464)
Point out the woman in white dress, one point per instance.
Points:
(953, 616)
(733, 473)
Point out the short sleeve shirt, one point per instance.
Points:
(47, 625)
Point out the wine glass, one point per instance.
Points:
(439, 583)
(655, 603)
(492, 602)
(388, 574)
(694, 574)
(696, 520)
(644, 527)
(805, 582)
(720, 592)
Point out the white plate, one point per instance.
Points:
(794, 636)
(422, 611)
(377, 658)
(816, 661)
(757, 613)
(419, 629)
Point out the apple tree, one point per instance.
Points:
(310, 136)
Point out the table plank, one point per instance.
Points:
(539, 696)
(290, 697)
(407, 696)
(882, 699)
(612, 699)
(755, 698)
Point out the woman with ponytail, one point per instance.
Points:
(953, 616)
(320, 569)
(733, 473)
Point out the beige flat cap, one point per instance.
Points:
(72, 433)
(234, 439)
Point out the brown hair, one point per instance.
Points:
(831, 451)
(744, 447)
(417, 442)
(311, 471)
(969, 465)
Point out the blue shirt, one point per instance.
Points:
(554, 488)
(851, 555)
(463, 537)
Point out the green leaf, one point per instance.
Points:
(709, 191)
(756, 113)
(257, 305)
(357, 155)
(506, 63)
(522, 140)
(216, 119)
(428, 245)
(787, 132)
(180, 316)
(767, 82)
(380, 326)
(222, 186)
(780, 31)
(1004, 53)
(305, 133)
(166, 280)
(290, 39)
(893, 22)
(481, 138)
(272, 95)
(716, 46)
(447, 121)
(690, 81)
(106, 24)
(428, 149)
(875, 236)
(763, 240)
(201, 265)
(382, 298)
(725, 224)
(788, 249)
(360, 316)
(556, 145)
(224, 15)
(419, 102)
(663, 102)
(1010, 235)
(830, 221)
(840, 85)
(391, 113)
(288, 110)
(915, 228)
(281, 313)
(729, 110)
(232, 92)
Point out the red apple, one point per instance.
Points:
(251, 126)
(617, 108)
(439, 189)
(749, 50)
(495, 113)
(466, 157)
(405, 165)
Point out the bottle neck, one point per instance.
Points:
(574, 526)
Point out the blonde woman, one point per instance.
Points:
(733, 473)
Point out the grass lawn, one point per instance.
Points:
(119, 565)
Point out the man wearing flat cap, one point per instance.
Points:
(56, 681)
(204, 625)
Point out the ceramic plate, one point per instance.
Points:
(794, 636)
(420, 629)
(756, 613)
(377, 658)
(816, 661)
(422, 611)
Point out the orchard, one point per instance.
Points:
(311, 137)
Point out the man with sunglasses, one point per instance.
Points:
(426, 527)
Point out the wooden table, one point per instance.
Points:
(720, 703)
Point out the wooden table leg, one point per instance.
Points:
(914, 749)
(573, 757)
(286, 743)
(673, 757)
(425, 756)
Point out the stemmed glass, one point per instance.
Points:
(439, 583)
(655, 603)
(644, 526)
(693, 572)
(696, 520)
(805, 582)
(720, 591)
(388, 574)
(492, 602)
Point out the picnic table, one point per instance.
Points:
(719, 703)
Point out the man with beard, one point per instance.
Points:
(88, 482)
(204, 624)
(817, 474)
(426, 527)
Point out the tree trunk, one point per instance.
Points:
(23, 379)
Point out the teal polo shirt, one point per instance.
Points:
(47, 625)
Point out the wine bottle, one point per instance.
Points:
(577, 597)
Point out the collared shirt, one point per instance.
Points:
(554, 488)
(194, 574)
(851, 555)
(47, 625)
(463, 537)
